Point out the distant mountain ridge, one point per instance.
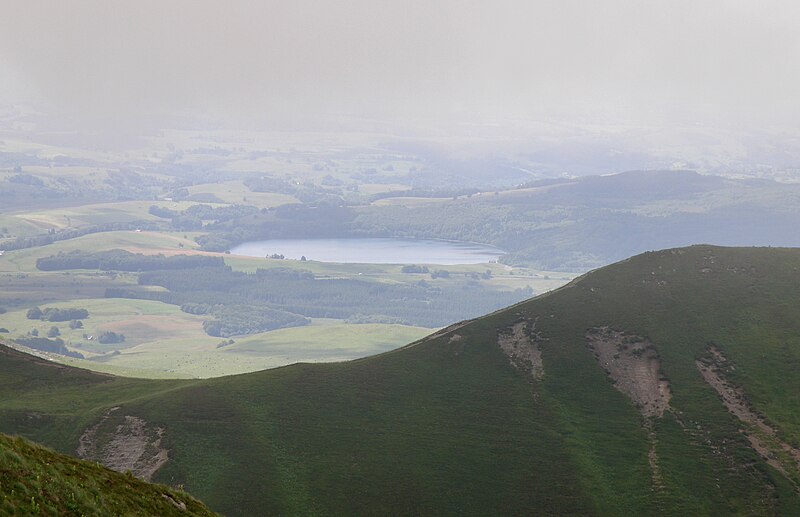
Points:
(660, 385)
(582, 223)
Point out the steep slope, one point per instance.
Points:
(664, 384)
(38, 481)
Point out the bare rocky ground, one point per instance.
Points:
(521, 346)
(762, 436)
(633, 365)
(124, 443)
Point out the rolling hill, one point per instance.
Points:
(663, 384)
(582, 223)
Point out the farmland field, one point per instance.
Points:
(25, 260)
(92, 214)
(235, 192)
(163, 341)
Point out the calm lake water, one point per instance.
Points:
(373, 251)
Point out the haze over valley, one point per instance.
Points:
(399, 258)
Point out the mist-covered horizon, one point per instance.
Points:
(144, 65)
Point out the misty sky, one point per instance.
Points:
(102, 62)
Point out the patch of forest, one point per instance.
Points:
(56, 314)
(55, 345)
(245, 303)
(121, 260)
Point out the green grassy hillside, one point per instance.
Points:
(37, 481)
(664, 384)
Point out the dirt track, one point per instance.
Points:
(762, 437)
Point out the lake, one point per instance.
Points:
(373, 251)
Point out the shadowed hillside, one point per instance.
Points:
(38, 481)
(663, 384)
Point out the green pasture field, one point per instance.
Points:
(142, 321)
(235, 192)
(23, 290)
(328, 340)
(200, 358)
(13, 226)
(94, 214)
(162, 341)
(137, 242)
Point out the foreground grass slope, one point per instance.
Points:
(450, 425)
(37, 481)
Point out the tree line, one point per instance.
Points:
(202, 290)
(121, 260)
(55, 314)
(55, 346)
